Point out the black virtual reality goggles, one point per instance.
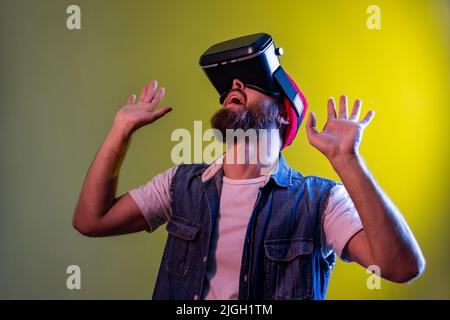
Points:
(253, 59)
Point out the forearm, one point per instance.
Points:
(99, 189)
(391, 242)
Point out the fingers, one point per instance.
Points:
(356, 110)
(150, 91)
(311, 129)
(354, 116)
(331, 109)
(132, 99)
(143, 93)
(343, 107)
(150, 94)
(159, 96)
(366, 120)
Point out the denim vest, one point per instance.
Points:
(282, 256)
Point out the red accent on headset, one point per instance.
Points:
(291, 130)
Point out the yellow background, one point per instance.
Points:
(60, 89)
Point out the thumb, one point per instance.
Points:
(311, 129)
(159, 113)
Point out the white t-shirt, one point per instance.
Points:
(237, 201)
(238, 197)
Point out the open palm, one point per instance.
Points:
(341, 135)
(136, 114)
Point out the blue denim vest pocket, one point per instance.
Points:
(288, 268)
(182, 247)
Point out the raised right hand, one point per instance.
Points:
(138, 114)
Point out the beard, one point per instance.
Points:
(256, 116)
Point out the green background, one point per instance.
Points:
(60, 89)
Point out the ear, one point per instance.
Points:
(282, 120)
(282, 123)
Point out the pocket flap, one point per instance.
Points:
(182, 227)
(287, 249)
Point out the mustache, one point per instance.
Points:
(258, 116)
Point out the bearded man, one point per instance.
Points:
(252, 229)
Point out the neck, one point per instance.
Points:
(246, 160)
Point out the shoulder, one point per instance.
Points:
(188, 174)
(313, 180)
(320, 180)
(191, 169)
(317, 189)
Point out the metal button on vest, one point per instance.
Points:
(204, 259)
(196, 297)
(245, 278)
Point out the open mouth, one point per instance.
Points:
(236, 98)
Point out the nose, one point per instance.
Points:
(238, 84)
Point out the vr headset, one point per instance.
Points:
(253, 59)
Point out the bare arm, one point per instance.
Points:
(386, 240)
(99, 212)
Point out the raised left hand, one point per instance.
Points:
(341, 136)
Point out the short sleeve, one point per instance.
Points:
(341, 220)
(153, 198)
